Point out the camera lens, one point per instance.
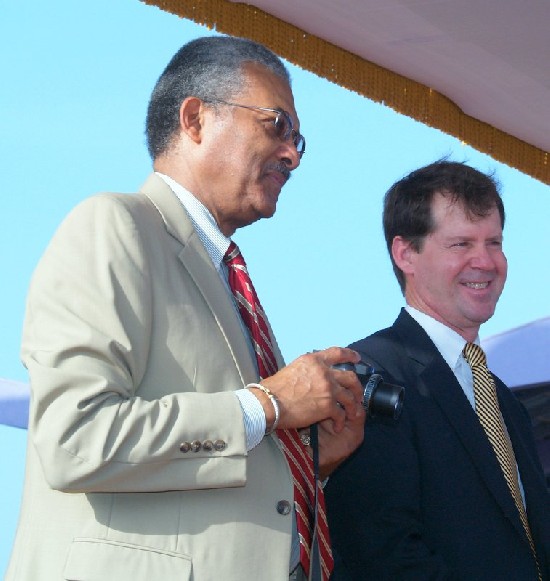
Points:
(382, 399)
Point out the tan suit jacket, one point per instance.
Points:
(134, 347)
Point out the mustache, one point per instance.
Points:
(281, 167)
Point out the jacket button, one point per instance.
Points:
(208, 445)
(283, 507)
(196, 445)
(219, 445)
(185, 447)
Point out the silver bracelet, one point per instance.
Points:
(274, 403)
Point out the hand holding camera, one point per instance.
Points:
(309, 390)
(380, 399)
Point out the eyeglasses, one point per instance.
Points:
(284, 127)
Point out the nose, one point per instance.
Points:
(289, 155)
(482, 258)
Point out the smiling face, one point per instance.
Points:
(244, 165)
(458, 275)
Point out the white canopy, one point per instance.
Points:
(521, 356)
(475, 69)
(489, 57)
(14, 403)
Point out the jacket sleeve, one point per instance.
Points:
(87, 346)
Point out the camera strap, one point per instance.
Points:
(315, 563)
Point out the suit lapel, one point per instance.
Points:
(528, 469)
(198, 264)
(436, 378)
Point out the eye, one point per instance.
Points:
(282, 127)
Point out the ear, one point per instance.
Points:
(191, 112)
(403, 254)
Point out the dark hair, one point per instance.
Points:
(407, 204)
(209, 68)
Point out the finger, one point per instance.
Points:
(349, 381)
(353, 410)
(334, 355)
(359, 420)
(326, 429)
(347, 401)
(338, 417)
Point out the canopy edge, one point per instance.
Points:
(363, 77)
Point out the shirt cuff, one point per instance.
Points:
(254, 418)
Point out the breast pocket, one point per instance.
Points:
(103, 560)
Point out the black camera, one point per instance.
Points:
(380, 398)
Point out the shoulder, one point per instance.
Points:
(403, 351)
(403, 331)
(382, 337)
(109, 216)
(381, 347)
(110, 204)
(106, 228)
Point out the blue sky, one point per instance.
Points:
(76, 81)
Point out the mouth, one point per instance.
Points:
(477, 285)
(278, 172)
(278, 177)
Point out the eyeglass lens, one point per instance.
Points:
(284, 129)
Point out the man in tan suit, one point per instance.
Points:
(147, 456)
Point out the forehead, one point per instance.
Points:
(447, 212)
(264, 88)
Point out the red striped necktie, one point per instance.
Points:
(310, 519)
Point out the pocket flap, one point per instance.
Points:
(104, 560)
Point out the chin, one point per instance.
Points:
(268, 210)
(270, 213)
(481, 317)
(255, 216)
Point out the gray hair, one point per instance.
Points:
(209, 68)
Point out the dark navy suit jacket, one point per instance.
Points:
(424, 498)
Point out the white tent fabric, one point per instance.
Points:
(14, 403)
(490, 57)
(521, 356)
(476, 70)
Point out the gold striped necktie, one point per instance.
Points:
(488, 412)
(300, 462)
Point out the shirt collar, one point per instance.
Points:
(448, 342)
(215, 242)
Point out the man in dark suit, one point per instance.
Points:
(426, 497)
